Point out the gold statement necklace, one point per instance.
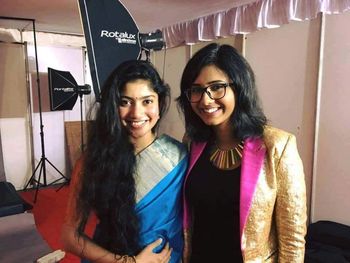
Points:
(227, 159)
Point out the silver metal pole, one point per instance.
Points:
(317, 119)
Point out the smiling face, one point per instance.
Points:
(139, 111)
(214, 112)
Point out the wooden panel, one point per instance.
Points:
(73, 141)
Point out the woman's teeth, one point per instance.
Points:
(211, 110)
(137, 123)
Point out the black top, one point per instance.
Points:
(213, 195)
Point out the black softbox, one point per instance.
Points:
(64, 90)
(112, 37)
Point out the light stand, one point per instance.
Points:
(43, 159)
(81, 122)
(80, 90)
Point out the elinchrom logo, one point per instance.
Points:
(64, 89)
(121, 37)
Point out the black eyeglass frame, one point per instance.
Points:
(205, 90)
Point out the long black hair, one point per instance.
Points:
(108, 185)
(248, 119)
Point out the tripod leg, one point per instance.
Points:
(56, 169)
(32, 178)
(38, 185)
(63, 177)
(62, 186)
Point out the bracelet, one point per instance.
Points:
(117, 258)
(125, 258)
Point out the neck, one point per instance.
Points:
(224, 137)
(143, 142)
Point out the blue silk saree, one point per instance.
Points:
(159, 179)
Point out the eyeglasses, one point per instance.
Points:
(215, 91)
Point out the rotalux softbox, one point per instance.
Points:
(111, 35)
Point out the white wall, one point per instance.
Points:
(332, 173)
(16, 150)
(175, 60)
(285, 61)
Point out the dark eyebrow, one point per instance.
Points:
(141, 98)
(209, 83)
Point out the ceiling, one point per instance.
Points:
(62, 16)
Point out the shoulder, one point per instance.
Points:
(274, 133)
(171, 145)
(275, 138)
(171, 142)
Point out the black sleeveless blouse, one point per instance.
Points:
(213, 196)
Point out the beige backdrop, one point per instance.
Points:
(13, 91)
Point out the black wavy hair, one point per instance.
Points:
(248, 119)
(108, 185)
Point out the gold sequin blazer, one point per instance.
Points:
(272, 199)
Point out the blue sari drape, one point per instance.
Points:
(160, 209)
(159, 178)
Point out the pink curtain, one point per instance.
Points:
(248, 18)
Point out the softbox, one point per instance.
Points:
(112, 37)
(64, 90)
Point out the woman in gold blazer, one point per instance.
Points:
(244, 192)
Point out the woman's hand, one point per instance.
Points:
(148, 256)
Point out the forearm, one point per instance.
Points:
(83, 247)
(291, 208)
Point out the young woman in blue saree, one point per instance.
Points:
(129, 177)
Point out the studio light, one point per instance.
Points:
(152, 41)
(64, 90)
(112, 37)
